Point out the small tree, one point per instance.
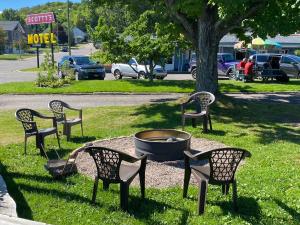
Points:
(148, 41)
(2, 40)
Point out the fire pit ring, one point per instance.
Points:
(162, 144)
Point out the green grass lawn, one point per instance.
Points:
(15, 56)
(32, 69)
(186, 86)
(268, 183)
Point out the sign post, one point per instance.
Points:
(36, 19)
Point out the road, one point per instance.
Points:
(8, 102)
(9, 69)
(41, 101)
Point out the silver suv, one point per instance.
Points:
(290, 64)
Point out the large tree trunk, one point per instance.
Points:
(206, 52)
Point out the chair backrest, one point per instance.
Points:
(26, 116)
(57, 107)
(107, 161)
(224, 162)
(202, 100)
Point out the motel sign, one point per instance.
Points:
(40, 18)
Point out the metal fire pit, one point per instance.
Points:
(162, 144)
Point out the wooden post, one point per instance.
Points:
(52, 49)
(37, 50)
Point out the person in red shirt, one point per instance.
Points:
(242, 64)
(249, 73)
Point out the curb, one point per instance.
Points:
(100, 93)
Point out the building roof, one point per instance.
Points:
(78, 33)
(286, 41)
(11, 25)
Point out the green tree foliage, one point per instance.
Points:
(10, 15)
(148, 40)
(205, 22)
(2, 40)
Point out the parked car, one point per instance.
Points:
(83, 66)
(135, 70)
(226, 64)
(64, 49)
(289, 64)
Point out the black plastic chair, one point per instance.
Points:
(201, 100)
(57, 107)
(26, 117)
(223, 163)
(111, 169)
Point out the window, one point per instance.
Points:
(131, 61)
(262, 58)
(228, 58)
(287, 60)
(82, 60)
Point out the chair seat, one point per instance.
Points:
(194, 115)
(46, 131)
(201, 172)
(73, 121)
(128, 172)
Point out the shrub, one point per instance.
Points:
(297, 52)
(48, 76)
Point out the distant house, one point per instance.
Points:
(79, 35)
(289, 43)
(15, 33)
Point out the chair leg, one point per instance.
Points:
(205, 122)
(225, 189)
(124, 192)
(187, 177)
(183, 122)
(234, 195)
(209, 120)
(202, 196)
(25, 147)
(142, 179)
(105, 185)
(68, 132)
(81, 129)
(58, 140)
(95, 189)
(40, 145)
(64, 129)
(194, 122)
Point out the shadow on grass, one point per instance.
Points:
(83, 139)
(273, 119)
(248, 209)
(186, 84)
(23, 208)
(289, 210)
(269, 121)
(229, 87)
(144, 209)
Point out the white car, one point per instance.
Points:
(135, 70)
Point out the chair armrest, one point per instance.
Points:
(197, 156)
(44, 116)
(131, 158)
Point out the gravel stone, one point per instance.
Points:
(158, 174)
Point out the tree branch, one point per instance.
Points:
(183, 20)
(225, 26)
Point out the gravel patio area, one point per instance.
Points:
(158, 174)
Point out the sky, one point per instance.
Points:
(16, 4)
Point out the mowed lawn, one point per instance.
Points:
(268, 182)
(145, 86)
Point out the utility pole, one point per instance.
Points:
(69, 33)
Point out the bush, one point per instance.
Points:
(48, 76)
(297, 52)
